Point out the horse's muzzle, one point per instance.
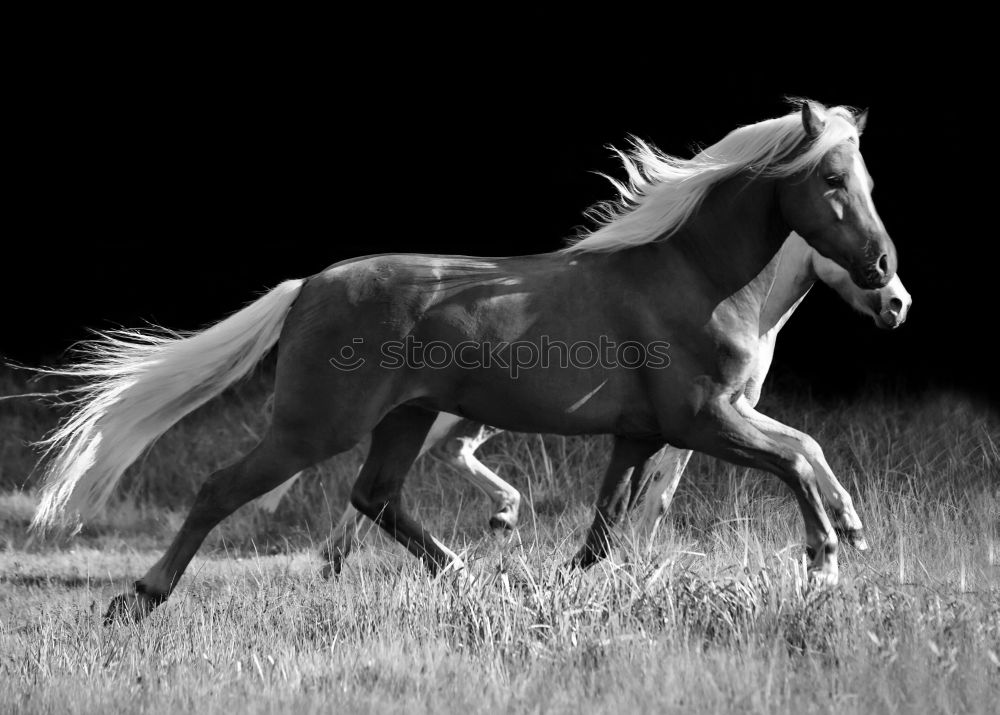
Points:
(893, 315)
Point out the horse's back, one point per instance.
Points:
(353, 317)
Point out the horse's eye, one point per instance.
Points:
(835, 181)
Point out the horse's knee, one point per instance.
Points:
(812, 450)
(799, 469)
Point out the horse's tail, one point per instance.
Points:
(139, 384)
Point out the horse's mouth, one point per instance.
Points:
(889, 321)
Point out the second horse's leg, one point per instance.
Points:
(457, 448)
(667, 467)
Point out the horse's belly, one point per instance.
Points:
(554, 400)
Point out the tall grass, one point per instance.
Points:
(715, 615)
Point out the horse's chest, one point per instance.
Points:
(732, 344)
(725, 354)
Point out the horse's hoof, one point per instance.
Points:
(334, 566)
(331, 564)
(130, 607)
(823, 579)
(502, 524)
(582, 560)
(856, 538)
(504, 520)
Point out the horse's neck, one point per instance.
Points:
(793, 279)
(733, 241)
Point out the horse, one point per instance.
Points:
(654, 318)
(453, 440)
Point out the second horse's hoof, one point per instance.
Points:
(503, 522)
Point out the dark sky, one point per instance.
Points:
(173, 186)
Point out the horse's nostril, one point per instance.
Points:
(883, 264)
(895, 305)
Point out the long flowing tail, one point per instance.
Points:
(139, 384)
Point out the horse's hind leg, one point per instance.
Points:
(377, 494)
(270, 463)
(457, 448)
(449, 439)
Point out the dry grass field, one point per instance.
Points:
(716, 615)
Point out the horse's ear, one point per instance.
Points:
(860, 120)
(812, 120)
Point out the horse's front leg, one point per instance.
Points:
(733, 431)
(628, 457)
(667, 467)
(846, 519)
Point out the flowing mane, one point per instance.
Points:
(663, 191)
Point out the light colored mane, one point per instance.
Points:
(663, 191)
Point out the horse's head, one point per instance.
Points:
(829, 202)
(887, 306)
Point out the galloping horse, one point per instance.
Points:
(454, 440)
(683, 259)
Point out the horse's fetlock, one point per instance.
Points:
(154, 595)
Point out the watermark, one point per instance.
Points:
(514, 357)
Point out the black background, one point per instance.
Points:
(172, 182)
